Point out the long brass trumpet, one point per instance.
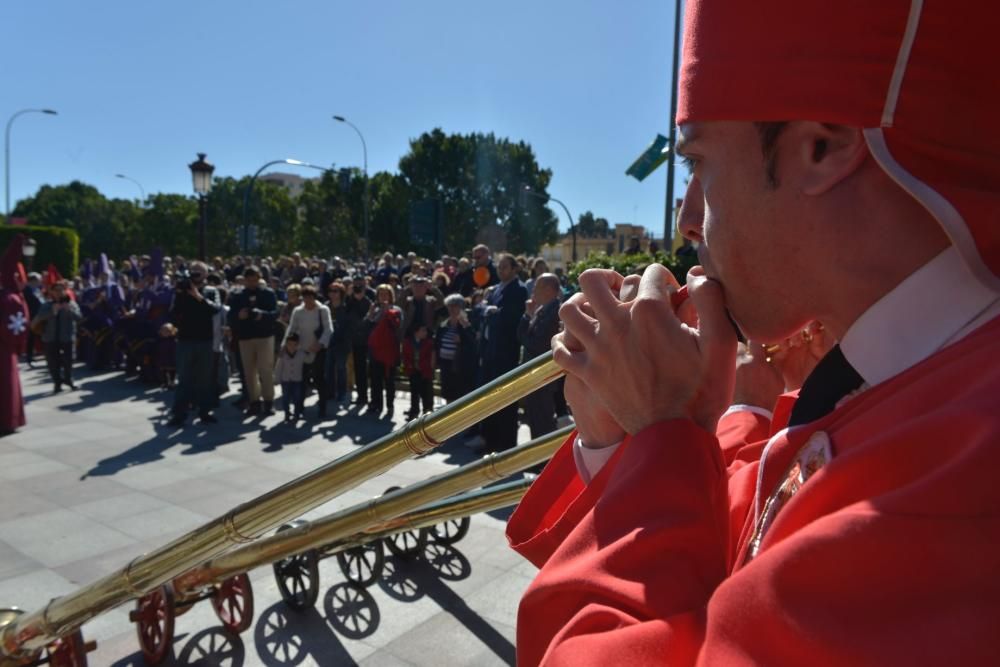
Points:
(372, 516)
(25, 635)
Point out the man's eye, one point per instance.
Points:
(689, 162)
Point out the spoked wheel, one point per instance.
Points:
(408, 543)
(68, 651)
(298, 575)
(450, 531)
(362, 565)
(154, 619)
(298, 580)
(233, 603)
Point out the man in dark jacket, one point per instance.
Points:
(192, 312)
(252, 314)
(358, 305)
(501, 351)
(538, 325)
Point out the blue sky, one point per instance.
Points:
(140, 87)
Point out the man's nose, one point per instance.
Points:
(691, 216)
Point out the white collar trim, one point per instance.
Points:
(925, 312)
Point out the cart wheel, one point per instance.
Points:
(298, 580)
(450, 531)
(362, 565)
(407, 544)
(233, 603)
(154, 619)
(68, 651)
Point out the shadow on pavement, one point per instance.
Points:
(284, 638)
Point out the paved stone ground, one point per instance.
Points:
(97, 478)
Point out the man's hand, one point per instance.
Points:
(315, 347)
(639, 359)
(244, 313)
(530, 307)
(193, 291)
(594, 424)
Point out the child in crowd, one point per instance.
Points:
(288, 373)
(418, 362)
(166, 355)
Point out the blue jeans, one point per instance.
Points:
(195, 384)
(292, 396)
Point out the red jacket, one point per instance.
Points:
(887, 555)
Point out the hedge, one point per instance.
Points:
(56, 245)
(629, 264)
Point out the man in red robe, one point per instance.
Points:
(849, 169)
(13, 335)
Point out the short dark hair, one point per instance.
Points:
(769, 132)
(308, 290)
(293, 337)
(251, 271)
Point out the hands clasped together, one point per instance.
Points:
(631, 361)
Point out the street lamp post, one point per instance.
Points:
(364, 148)
(245, 237)
(201, 175)
(526, 190)
(6, 150)
(141, 189)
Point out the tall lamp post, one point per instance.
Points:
(201, 175)
(526, 191)
(668, 223)
(141, 189)
(6, 150)
(364, 148)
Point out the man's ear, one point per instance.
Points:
(823, 154)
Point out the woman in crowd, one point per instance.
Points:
(455, 344)
(384, 320)
(311, 321)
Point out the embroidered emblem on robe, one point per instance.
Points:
(815, 454)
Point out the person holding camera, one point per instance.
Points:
(59, 316)
(252, 314)
(193, 313)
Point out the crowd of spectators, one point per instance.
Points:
(348, 333)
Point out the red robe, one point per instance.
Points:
(889, 554)
(13, 338)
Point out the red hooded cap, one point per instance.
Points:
(11, 272)
(919, 76)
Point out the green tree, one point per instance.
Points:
(168, 222)
(270, 209)
(589, 226)
(477, 178)
(331, 217)
(103, 225)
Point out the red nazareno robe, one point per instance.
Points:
(889, 554)
(13, 337)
